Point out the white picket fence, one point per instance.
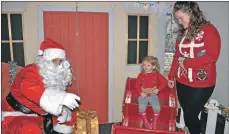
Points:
(213, 112)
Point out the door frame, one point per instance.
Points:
(110, 11)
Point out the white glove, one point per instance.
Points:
(70, 100)
(65, 116)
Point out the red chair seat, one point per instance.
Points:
(132, 122)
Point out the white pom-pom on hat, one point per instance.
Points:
(51, 50)
(40, 52)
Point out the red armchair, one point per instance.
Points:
(132, 122)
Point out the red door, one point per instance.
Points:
(84, 35)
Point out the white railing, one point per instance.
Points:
(213, 112)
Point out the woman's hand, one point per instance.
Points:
(171, 83)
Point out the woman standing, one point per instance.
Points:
(194, 65)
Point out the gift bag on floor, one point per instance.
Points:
(220, 123)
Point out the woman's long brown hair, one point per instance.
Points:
(196, 21)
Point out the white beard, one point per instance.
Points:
(56, 77)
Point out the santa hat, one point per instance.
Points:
(51, 50)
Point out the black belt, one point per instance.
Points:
(17, 106)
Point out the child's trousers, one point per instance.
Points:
(152, 100)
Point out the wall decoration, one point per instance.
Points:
(170, 38)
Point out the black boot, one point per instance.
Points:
(55, 132)
(48, 124)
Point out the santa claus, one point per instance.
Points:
(38, 101)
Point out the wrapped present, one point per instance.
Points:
(219, 125)
(214, 119)
(87, 123)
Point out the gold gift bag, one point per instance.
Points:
(87, 122)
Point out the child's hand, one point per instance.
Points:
(155, 90)
(147, 90)
(143, 94)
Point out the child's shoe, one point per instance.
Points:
(145, 120)
(155, 121)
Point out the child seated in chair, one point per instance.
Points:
(149, 82)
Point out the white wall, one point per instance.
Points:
(217, 13)
(160, 40)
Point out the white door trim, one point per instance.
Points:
(110, 11)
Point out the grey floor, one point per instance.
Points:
(105, 128)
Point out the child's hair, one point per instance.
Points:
(154, 61)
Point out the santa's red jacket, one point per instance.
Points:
(202, 54)
(28, 90)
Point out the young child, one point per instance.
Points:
(149, 82)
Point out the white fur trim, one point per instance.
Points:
(194, 45)
(190, 74)
(182, 40)
(54, 53)
(14, 113)
(191, 51)
(62, 128)
(69, 113)
(65, 116)
(178, 72)
(51, 101)
(40, 52)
